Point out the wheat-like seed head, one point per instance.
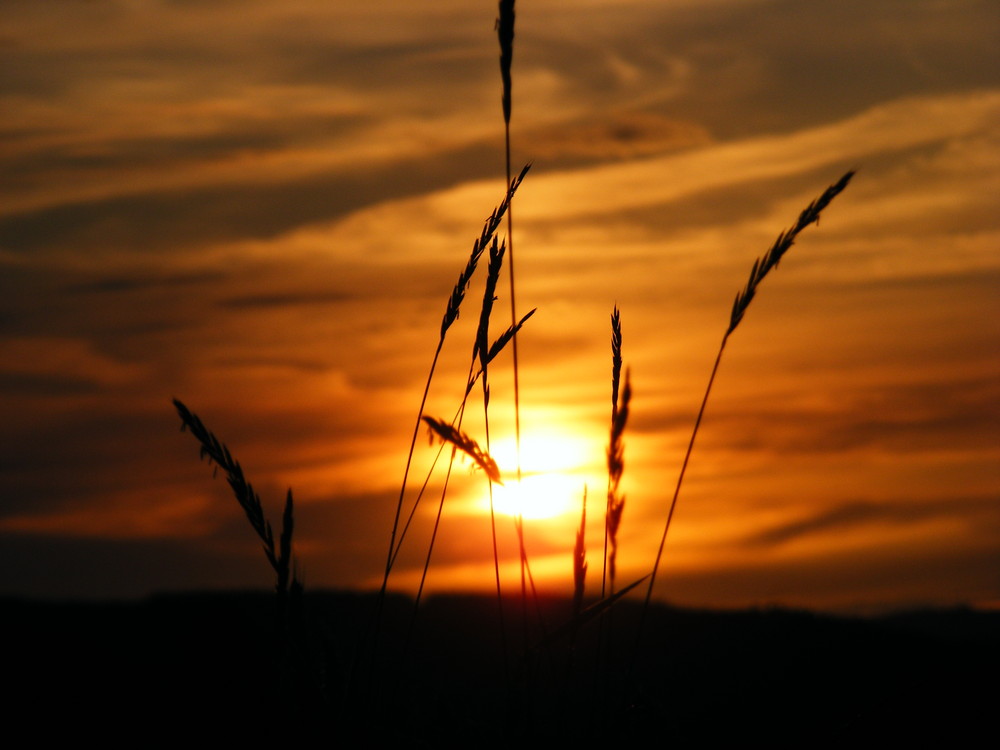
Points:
(772, 257)
(482, 347)
(498, 346)
(616, 358)
(490, 227)
(216, 452)
(505, 32)
(616, 448)
(466, 444)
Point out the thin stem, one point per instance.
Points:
(519, 520)
(430, 550)
(457, 421)
(406, 471)
(493, 532)
(416, 503)
(761, 267)
(680, 481)
(393, 550)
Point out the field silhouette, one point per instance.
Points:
(200, 665)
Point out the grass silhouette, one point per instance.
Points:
(546, 664)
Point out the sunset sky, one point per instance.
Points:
(260, 208)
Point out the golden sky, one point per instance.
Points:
(261, 208)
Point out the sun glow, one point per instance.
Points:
(539, 496)
(553, 475)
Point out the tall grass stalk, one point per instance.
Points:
(297, 672)
(761, 267)
(482, 349)
(279, 556)
(615, 501)
(505, 34)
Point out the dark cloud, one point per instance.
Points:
(959, 413)
(106, 309)
(849, 516)
(50, 164)
(47, 385)
(413, 67)
(90, 458)
(106, 285)
(159, 221)
(788, 64)
(617, 136)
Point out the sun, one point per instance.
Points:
(552, 475)
(539, 496)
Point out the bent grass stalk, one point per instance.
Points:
(467, 445)
(215, 451)
(289, 635)
(761, 267)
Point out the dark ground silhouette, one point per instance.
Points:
(206, 666)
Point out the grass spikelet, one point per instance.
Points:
(505, 33)
(461, 286)
(490, 227)
(467, 445)
(504, 338)
(216, 452)
(616, 467)
(482, 347)
(616, 452)
(763, 265)
(498, 346)
(616, 358)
